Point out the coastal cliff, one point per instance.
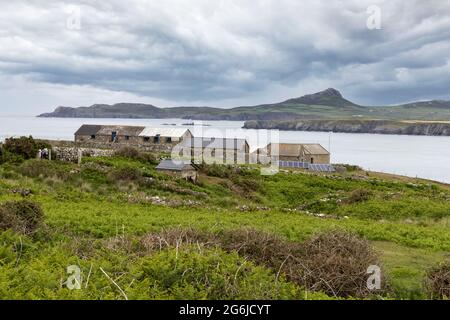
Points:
(357, 126)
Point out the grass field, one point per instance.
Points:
(96, 214)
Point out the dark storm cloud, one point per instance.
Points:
(241, 51)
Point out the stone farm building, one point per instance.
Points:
(164, 135)
(195, 149)
(108, 134)
(308, 153)
(178, 168)
(216, 150)
(134, 136)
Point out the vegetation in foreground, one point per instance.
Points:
(139, 234)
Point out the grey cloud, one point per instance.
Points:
(214, 52)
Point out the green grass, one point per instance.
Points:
(86, 206)
(407, 266)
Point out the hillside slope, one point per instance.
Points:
(152, 233)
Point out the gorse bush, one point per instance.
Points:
(336, 263)
(125, 174)
(215, 170)
(133, 153)
(437, 282)
(35, 168)
(190, 273)
(25, 147)
(21, 216)
(333, 262)
(358, 195)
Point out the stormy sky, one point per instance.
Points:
(221, 53)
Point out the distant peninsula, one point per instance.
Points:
(327, 110)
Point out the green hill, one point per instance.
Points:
(328, 104)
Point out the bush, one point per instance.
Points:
(132, 153)
(437, 282)
(261, 247)
(334, 262)
(248, 183)
(215, 170)
(21, 216)
(6, 156)
(190, 273)
(358, 195)
(25, 147)
(127, 152)
(35, 168)
(125, 174)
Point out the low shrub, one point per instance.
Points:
(176, 237)
(25, 147)
(36, 168)
(334, 262)
(358, 195)
(261, 247)
(6, 156)
(21, 216)
(248, 183)
(125, 174)
(215, 170)
(437, 282)
(190, 273)
(133, 153)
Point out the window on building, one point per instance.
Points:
(146, 139)
(169, 140)
(312, 160)
(127, 138)
(93, 136)
(157, 139)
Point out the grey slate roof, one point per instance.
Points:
(174, 165)
(88, 130)
(216, 143)
(121, 130)
(164, 132)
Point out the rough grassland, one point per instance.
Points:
(96, 213)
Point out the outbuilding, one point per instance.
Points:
(216, 150)
(178, 168)
(152, 135)
(312, 153)
(108, 134)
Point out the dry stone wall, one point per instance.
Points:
(72, 154)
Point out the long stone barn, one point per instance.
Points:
(312, 153)
(216, 150)
(134, 136)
